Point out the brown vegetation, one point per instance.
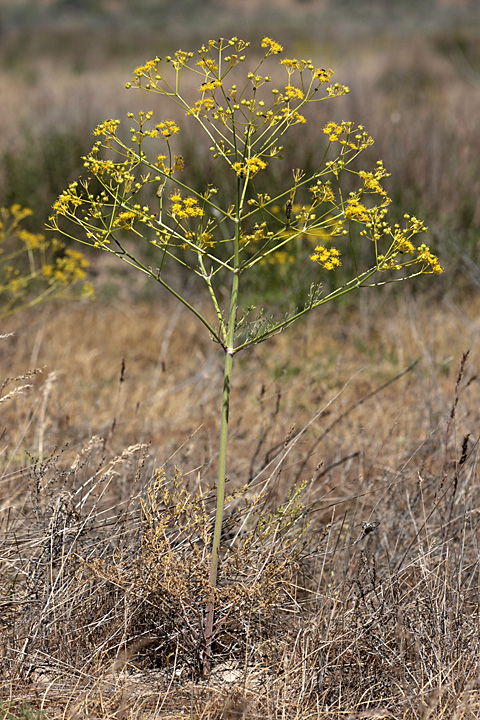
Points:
(361, 602)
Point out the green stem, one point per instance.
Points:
(222, 462)
(208, 281)
(131, 260)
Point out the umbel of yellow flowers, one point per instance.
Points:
(243, 123)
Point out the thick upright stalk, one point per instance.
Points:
(222, 462)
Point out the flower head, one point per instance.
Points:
(329, 259)
(272, 47)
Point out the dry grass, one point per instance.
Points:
(102, 583)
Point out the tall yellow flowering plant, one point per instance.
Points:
(134, 188)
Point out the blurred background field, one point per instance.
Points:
(367, 402)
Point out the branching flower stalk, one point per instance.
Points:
(134, 190)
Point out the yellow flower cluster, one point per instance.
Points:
(181, 58)
(210, 86)
(12, 217)
(68, 197)
(272, 47)
(109, 127)
(323, 75)
(293, 117)
(328, 259)
(294, 64)
(67, 269)
(178, 163)
(401, 243)
(125, 219)
(259, 233)
(337, 90)
(370, 182)
(32, 241)
(98, 167)
(360, 140)
(354, 210)
(147, 68)
(250, 167)
(322, 192)
(167, 128)
(333, 130)
(202, 107)
(428, 259)
(201, 241)
(119, 172)
(183, 208)
(34, 268)
(13, 283)
(207, 63)
(293, 93)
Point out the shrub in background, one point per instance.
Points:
(33, 175)
(34, 269)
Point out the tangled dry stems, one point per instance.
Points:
(355, 597)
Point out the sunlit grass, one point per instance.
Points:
(372, 448)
